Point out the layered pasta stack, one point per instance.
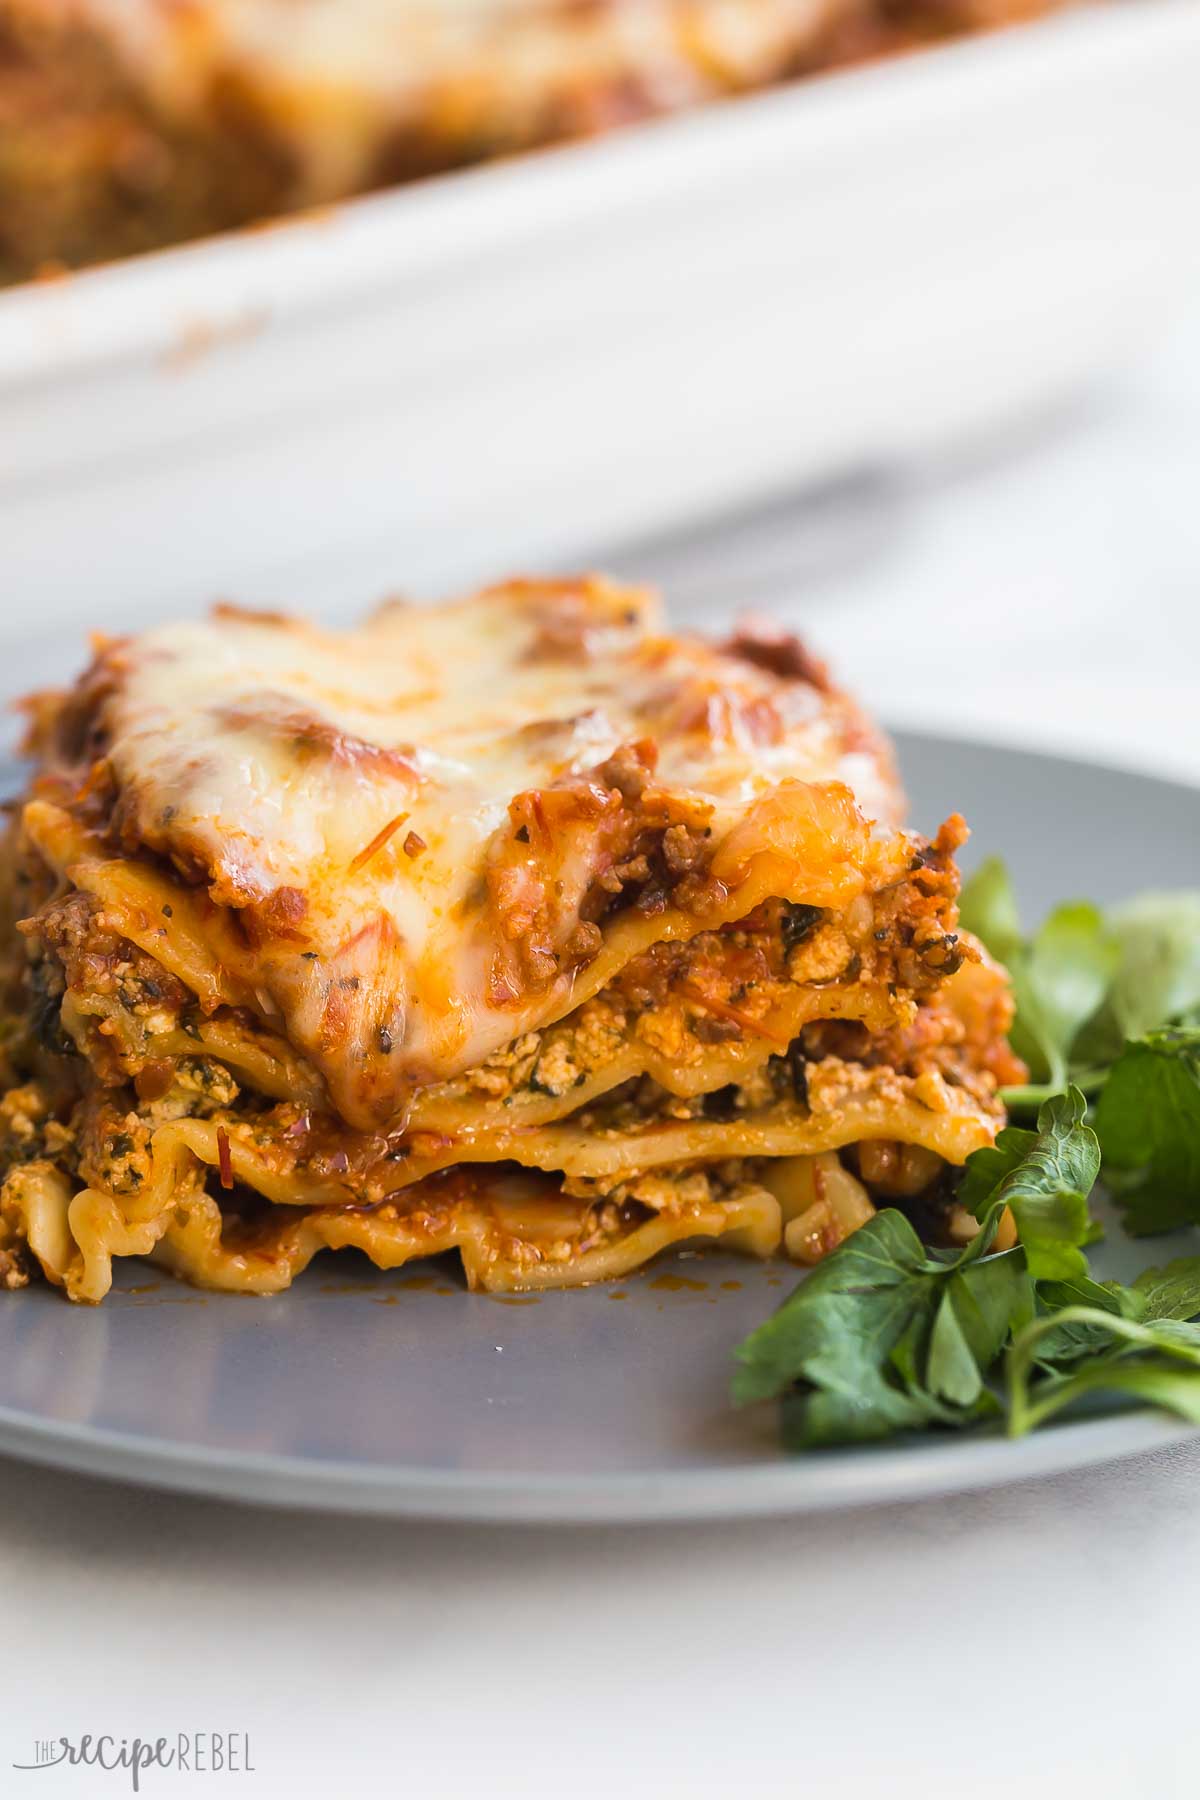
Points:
(513, 927)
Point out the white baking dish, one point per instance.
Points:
(517, 364)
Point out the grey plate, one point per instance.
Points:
(402, 1394)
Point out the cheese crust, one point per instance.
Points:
(126, 124)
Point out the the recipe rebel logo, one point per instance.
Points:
(188, 1752)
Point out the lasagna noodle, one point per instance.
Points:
(512, 1233)
(223, 1060)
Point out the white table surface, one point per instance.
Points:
(1037, 1640)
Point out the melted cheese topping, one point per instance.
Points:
(337, 80)
(352, 802)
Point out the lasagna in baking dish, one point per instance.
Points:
(513, 927)
(126, 124)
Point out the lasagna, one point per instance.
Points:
(513, 927)
(127, 124)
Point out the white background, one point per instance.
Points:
(1038, 1640)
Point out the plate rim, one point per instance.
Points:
(820, 1482)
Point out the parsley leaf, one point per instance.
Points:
(883, 1337)
(1087, 981)
(1074, 1338)
(872, 1281)
(1071, 962)
(982, 1305)
(1148, 1122)
(1059, 977)
(987, 907)
(1157, 1360)
(1158, 977)
(1092, 1336)
(1045, 1176)
(1172, 1292)
(1157, 980)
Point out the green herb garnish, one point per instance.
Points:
(1111, 1002)
(885, 1336)
(1045, 1176)
(1087, 983)
(1148, 1123)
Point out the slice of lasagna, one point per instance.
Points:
(513, 927)
(126, 124)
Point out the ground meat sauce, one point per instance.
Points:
(649, 849)
(123, 997)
